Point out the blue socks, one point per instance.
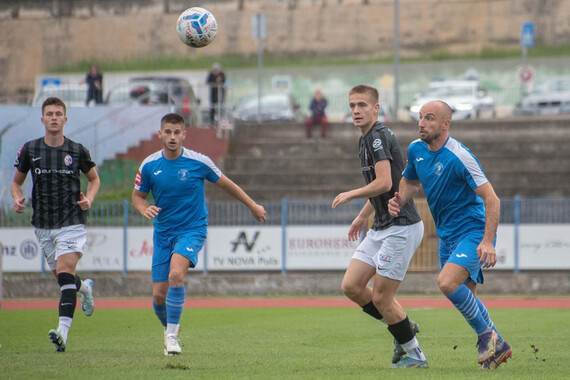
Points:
(465, 302)
(175, 303)
(486, 317)
(160, 311)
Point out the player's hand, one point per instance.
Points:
(259, 213)
(151, 211)
(84, 202)
(341, 198)
(487, 254)
(19, 206)
(395, 204)
(355, 230)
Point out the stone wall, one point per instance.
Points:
(40, 34)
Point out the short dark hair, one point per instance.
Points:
(172, 118)
(364, 89)
(53, 101)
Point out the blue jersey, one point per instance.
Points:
(448, 177)
(178, 189)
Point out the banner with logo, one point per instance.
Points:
(319, 247)
(244, 248)
(22, 252)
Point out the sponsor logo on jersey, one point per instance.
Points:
(419, 159)
(460, 255)
(138, 178)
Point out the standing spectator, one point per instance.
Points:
(94, 80)
(175, 176)
(387, 249)
(466, 210)
(216, 82)
(59, 208)
(318, 108)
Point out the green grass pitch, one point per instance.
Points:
(275, 343)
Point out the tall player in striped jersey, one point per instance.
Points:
(175, 176)
(466, 213)
(387, 249)
(59, 208)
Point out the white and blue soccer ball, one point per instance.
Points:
(196, 27)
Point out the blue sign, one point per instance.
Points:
(51, 81)
(527, 35)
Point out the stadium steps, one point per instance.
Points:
(526, 157)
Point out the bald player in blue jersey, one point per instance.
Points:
(175, 176)
(466, 213)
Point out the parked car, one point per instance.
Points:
(467, 99)
(158, 90)
(551, 97)
(275, 106)
(74, 95)
(383, 116)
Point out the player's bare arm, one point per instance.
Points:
(142, 206)
(235, 191)
(382, 184)
(486, 250)
(16, 191)
(407, 190)
(360, 222)
(93, 186)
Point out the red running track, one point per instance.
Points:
(492, 303)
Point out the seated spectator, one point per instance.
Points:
(318, 109)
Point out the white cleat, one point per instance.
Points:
(57, 339)
(171, 345)
(87, 302)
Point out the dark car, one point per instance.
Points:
(159, 90)
(275, 106)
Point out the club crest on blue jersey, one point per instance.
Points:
(438, 168)
(183, 174)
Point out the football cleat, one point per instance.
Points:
(87, 302)
(407, 362)
(57, 339)
(171, 345)
(398, 349)
(502, 353)
(486, 345)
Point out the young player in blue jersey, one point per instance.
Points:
(175, 176)
(466, 213)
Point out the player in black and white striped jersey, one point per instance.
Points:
(59, 208)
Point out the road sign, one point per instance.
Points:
(526, 74)
(258, 26)
(527, 35)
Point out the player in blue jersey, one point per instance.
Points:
(175, 176)
(466, 213)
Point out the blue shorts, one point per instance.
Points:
(187, 245)
(463, 252)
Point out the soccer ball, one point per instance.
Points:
(196, 27)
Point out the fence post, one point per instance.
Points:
(517, 223)
(125, 234)
(283, 235)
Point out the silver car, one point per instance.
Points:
(551, 97)
(467, 99)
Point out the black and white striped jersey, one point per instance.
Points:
(379, 144)
(56, 184)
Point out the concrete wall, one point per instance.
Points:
(532, 283)
(40, 34)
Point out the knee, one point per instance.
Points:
(349, 289)
(379, 300)
(176, 278)
(159, 299)
(446, 285)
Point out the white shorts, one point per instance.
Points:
(390, 250)
(59, 241)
